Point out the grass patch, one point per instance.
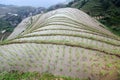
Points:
(16, 75)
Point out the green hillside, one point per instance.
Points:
(106, 11)
(4, 25)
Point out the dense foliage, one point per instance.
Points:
(4, 25)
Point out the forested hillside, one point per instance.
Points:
(106, 11)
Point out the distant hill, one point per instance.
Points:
(19, 9)
(106, 11)
(11, 15)
(57, 6)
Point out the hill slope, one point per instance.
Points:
(106, 11)
(63, 42)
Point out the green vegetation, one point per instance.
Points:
(16, 75)
(4, 25)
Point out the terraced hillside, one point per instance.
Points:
(63, 42)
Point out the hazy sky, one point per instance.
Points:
(35, 3)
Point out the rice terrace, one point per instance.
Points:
(63, 42)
